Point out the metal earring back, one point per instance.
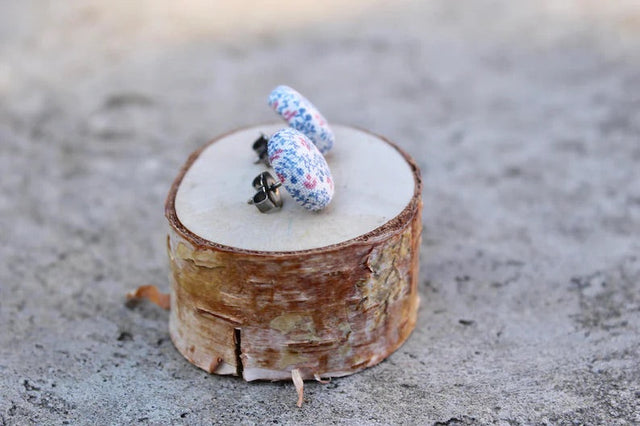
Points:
(267, 197)
(261, 147)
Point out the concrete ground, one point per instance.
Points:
(525, 119)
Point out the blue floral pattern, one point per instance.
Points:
(302, 116)
(301, 168)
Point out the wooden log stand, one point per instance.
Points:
(319, 294)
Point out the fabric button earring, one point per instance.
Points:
(301, 115)
(300, 168)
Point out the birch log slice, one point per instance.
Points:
(328, 293)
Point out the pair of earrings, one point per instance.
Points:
(296, 154)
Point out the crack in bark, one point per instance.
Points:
(206, 313)
(367, 261)
(237, 341)
(312, 345)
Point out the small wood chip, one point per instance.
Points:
(151, 293)
(319, 379)
(299, 384)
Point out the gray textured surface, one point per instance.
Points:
(524, 116)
